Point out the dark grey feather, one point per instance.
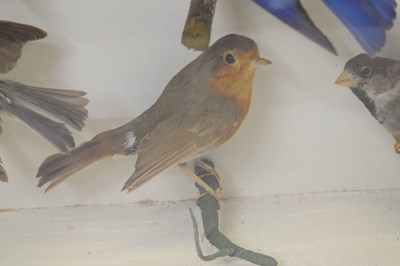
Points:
(31, 104)
(368, 102)
(66, 105)
(54, 132)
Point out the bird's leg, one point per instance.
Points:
(188, 170)
(209, 169)
(397, 144)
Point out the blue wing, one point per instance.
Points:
(293, 14)
(367, 20)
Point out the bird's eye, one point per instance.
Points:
(365, 71)
(229, 58)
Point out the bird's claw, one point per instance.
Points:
(199, 181)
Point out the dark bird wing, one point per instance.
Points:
(293, 14)
(13, 36)
(26, 103)
(367, 20)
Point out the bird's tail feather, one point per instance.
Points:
(26, 103)
(54, 132)
(58, 167)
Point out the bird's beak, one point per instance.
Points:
(263, 61)
(345, 80)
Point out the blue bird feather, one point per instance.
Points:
(293, 14)
(367, 20)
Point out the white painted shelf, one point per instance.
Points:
(314, 229)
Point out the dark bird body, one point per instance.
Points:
(200, 108)
(376, 82)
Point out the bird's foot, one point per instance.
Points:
(198, 179)
(209, 169)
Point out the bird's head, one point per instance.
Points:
(232, 61)
(373, 75)
(233, 55)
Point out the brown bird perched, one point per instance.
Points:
(376, 82)
(200, 108)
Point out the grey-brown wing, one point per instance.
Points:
(13, 36)
(167, 145)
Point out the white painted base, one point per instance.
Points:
(341, 228)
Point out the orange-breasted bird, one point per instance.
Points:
(200, 108)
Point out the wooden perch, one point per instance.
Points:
(209, 211)
(197, 31)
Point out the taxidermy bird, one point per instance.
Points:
(36, 107)
(200, 109)
(376, 82)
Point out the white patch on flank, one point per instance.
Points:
(130, 140)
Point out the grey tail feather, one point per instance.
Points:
(54, 132)
(58, 167)
(66, 105)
